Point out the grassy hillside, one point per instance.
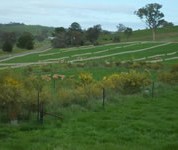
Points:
(118, 52)
(69, 83)
(20, 28)
(162, 34)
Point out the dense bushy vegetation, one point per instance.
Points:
(128, 82)
(20, 92)
(170, 77)
(26, 41)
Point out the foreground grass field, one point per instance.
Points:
(126, 122)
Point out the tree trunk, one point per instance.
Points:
(154, 34)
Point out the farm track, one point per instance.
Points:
(87, 48)
(152, 58)
(24, 54)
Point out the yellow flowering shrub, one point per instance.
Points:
(11, 89)
(127, 83)
(11, 95)
(86, 78)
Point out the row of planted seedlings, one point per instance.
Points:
(26, 97)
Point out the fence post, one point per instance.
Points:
(41, 112)
(104, 96)
(153, 87)
(38, 106)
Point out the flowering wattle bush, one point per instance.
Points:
(127, 82)
(86, 78)
(11, 89)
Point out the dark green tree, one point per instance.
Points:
(8, 40)
(59, 30)
(120, 29)
(26, 41)
(60, 37)
(75, 34)
(93, 33)
(152, 16)
(166, 24)
(128, 32)
(7, 46)
(60, 41)
(75, 27)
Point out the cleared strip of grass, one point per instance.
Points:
(35, 57)
(124, 53)
(138, 54)
(83, 48)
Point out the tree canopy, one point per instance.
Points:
(128, 32)
(152, 16)
(92, 33)
(75, 36)
(8, 40)
(26, 41)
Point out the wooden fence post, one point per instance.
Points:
(153, 87)
(104, 96)
(38, 106)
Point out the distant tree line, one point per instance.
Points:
(9, 39)
(75, 36)
(22, 39)
(11, 24)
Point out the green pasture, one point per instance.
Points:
(125, 51)
(126, 122)
(141, 121)
(162, 34)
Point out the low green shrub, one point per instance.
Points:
(174, 68)
(168, 77)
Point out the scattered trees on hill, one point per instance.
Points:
(9, 39)
(26, 41)
(75, 36)
(152, 16)
(128, 32)
(122, 29)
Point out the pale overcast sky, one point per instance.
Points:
(87, 13)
